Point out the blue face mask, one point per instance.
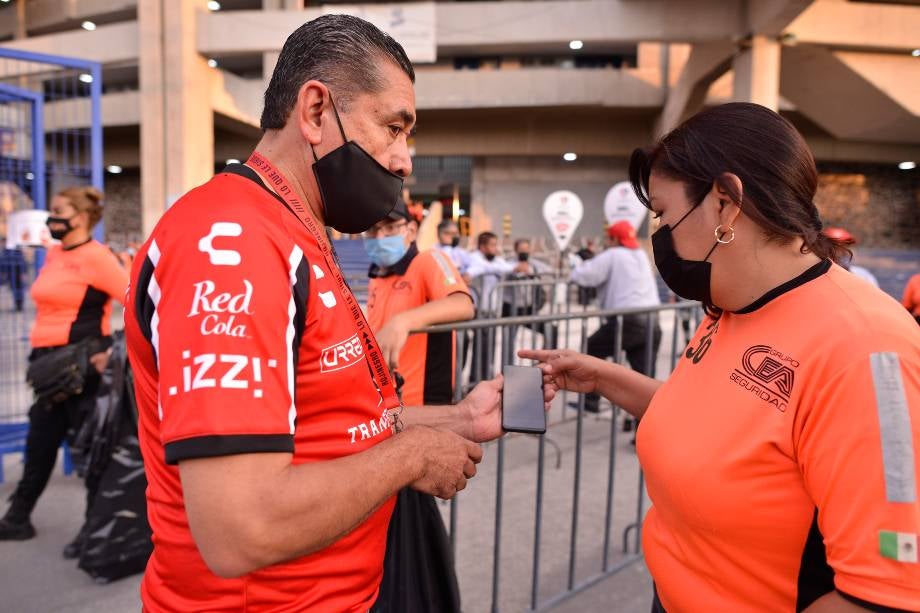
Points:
(385, 251)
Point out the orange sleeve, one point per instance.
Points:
(857, 444)
(440, 276)
(109, 275)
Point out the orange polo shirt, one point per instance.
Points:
(782, 454)
(426, 362)
(911, 299)
(73, 294)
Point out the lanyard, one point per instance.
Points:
(380, 374)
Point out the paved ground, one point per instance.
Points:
(35, 579)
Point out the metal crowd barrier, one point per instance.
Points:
(555, 570)
(16, 315)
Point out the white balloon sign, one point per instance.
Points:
(622, 204)
(563, 211)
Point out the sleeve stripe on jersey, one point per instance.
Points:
(221, 445)
(153, 291)
(445, 267)
(894, 422)
(297, 271)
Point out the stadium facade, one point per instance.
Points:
(507, 88)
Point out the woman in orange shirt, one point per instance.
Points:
(73, 299)
(781, 455)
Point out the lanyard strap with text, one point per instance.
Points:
(379, 371)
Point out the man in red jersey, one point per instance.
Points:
(265, 404)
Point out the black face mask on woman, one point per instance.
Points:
(688, 279)
(59, 233)
(357, 191)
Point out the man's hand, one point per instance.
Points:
(482, 409)
(391, 338)
(447, 460)
(523, 268)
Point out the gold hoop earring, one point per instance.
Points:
(720, 234)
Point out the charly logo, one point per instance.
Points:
(220, 309)
(221, 257)
(768, 374)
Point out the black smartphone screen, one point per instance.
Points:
(522, 400)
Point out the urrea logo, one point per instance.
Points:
(221, 257)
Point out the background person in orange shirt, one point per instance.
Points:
(781, 455)
(73, 299)
(410, 290)
(911, 299)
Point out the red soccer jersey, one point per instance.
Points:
(242, 342)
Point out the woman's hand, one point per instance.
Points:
(100, 360)
(564, 369)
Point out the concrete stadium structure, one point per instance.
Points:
(505, 88)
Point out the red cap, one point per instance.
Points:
(625, 233)
(840, 235)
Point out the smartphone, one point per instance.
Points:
(523, 409)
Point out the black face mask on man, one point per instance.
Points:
(59, 233)
(357, 191)
(455, 242)
(690, 279)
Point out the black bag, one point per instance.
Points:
(118, 536)
(99, 430)
(61, 373)
(418, 569)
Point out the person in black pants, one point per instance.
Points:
(623, 275)
(602, 344)
(73, 300)
(49, 426)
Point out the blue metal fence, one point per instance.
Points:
(50, 139)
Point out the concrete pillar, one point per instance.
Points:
(20, 19)
(757, 73)
(270, 59)
(177, 120)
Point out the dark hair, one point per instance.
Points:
(85, 199)
(445, 224)
(338, 50)
(520, 241)
(776, 168)
(484, 238)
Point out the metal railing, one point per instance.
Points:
(16, 315)
(555, 569)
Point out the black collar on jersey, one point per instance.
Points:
(809, 275)
(399, 268)
(248, 173)
(78, 245)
